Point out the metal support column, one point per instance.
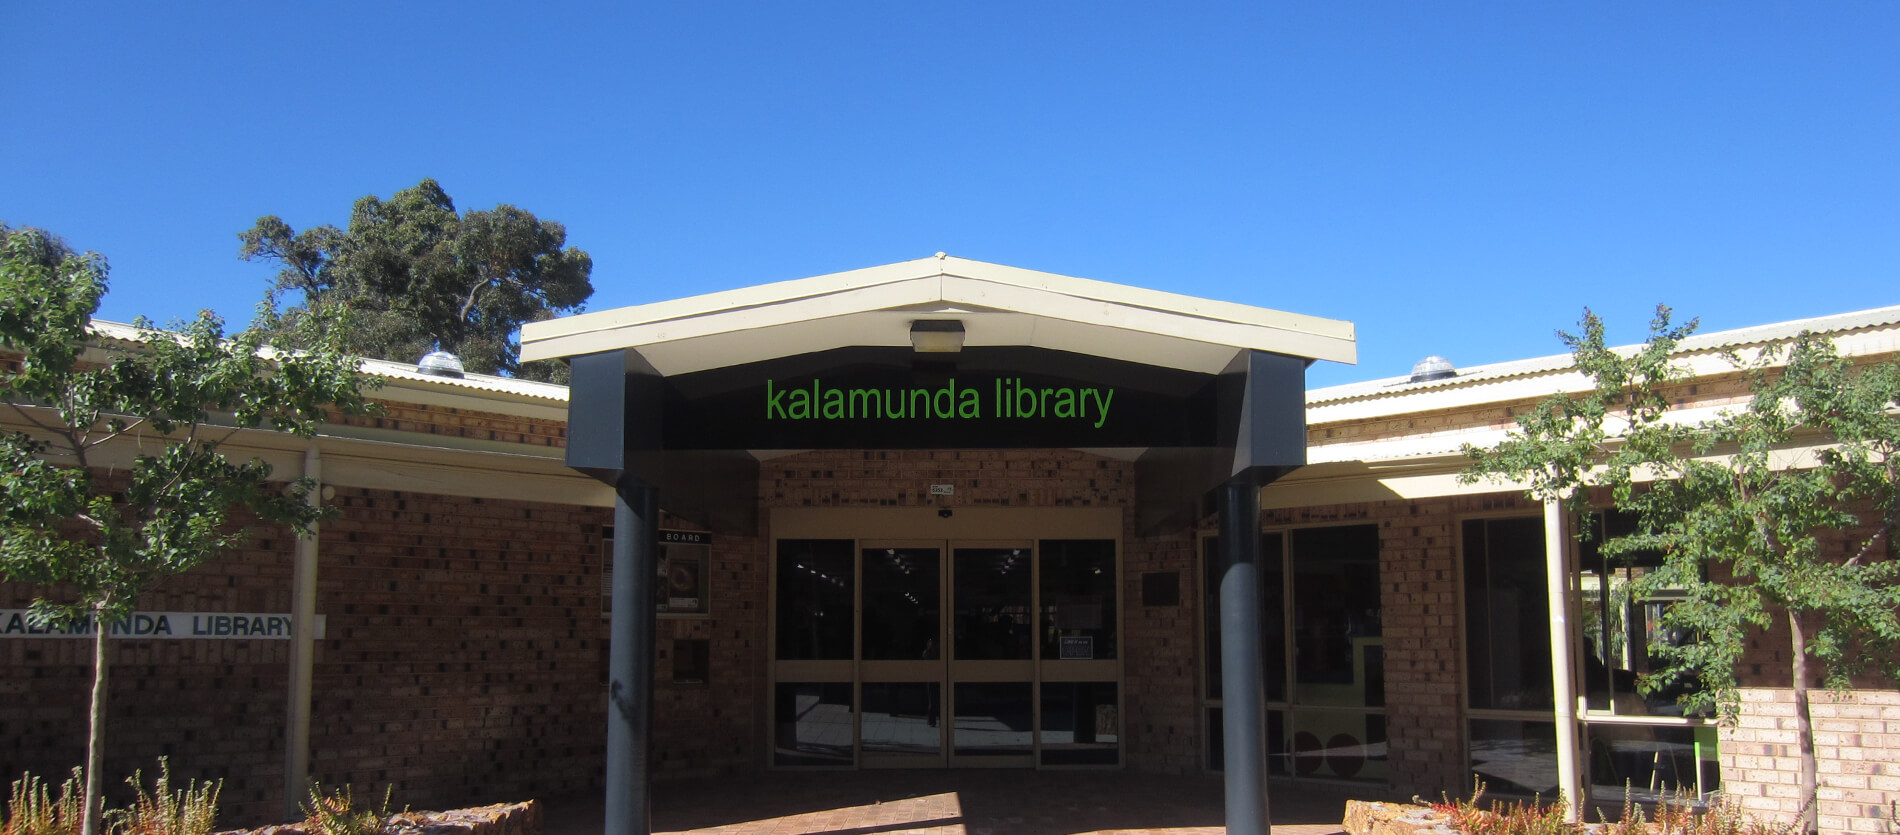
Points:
(1243, 694)
(1562, 669)
(630, 663)
(303, 649)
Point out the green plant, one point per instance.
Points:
(32, 810)
(189, 811)
(336, 813)
(1518, 817)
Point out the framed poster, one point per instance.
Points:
(683, 569)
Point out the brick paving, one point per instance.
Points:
(959, 803)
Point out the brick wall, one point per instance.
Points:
(718, 726)
(1857, 750)
(460, 663)
(215, 707)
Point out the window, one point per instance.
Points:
(1634, 742)
(1622, 635)
(1322, 651)
(1507, 615)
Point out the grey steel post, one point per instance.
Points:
(630, 663)
(1243, 694)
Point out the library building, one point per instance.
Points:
(939, 514)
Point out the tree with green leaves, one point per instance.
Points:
(115, 477)
(414, 275)
(1777, 512)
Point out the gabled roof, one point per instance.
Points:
(997, 305)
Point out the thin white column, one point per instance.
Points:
(1563, 683)
(303, 648)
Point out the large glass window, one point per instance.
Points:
(1337, 631)
(1507, 616)
(1632, 742)
(1623, 634)
(1322, 651)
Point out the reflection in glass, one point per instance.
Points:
(1515, 757)
(1623, 635)
(812, 725)
(992, 604)
(901, 604)
(1080, 724)
(814, 599)
(1272, 582)
(1337, 636)
(993, 720)
(902, 718)
(1339, 745)
(1078, 598)
(1507, 621)
(1652, 762)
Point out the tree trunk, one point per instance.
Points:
(1804, 726)
(90, 822)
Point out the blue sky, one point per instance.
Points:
(1456, 178)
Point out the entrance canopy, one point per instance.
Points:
(939, 353)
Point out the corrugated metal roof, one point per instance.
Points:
(1707, 343)
(388, 370)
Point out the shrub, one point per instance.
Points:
(189, 811)
(31, 810)
(336, 813)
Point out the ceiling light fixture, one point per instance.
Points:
(936, 336)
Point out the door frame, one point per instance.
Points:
(946, 528)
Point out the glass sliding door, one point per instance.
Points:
(814, 644)
(992, 654)
(892, 653)
(902, 666)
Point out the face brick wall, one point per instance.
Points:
(215, 708)
(460, 663)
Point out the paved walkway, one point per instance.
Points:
(959, 803)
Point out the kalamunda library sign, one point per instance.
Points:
(15, 623)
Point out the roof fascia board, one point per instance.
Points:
(927, 281)
(493, 402)
(777, 292)
(1156, 300)
(860, 299)
(1145, 320)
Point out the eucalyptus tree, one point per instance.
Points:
(414, 275)
(116, 476)
(1776, 513)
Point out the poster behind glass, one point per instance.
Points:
(680, 585)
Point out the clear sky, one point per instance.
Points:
(1458, 178)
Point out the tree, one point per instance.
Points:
(100, 537)
(1780, 510)
(414, 275)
